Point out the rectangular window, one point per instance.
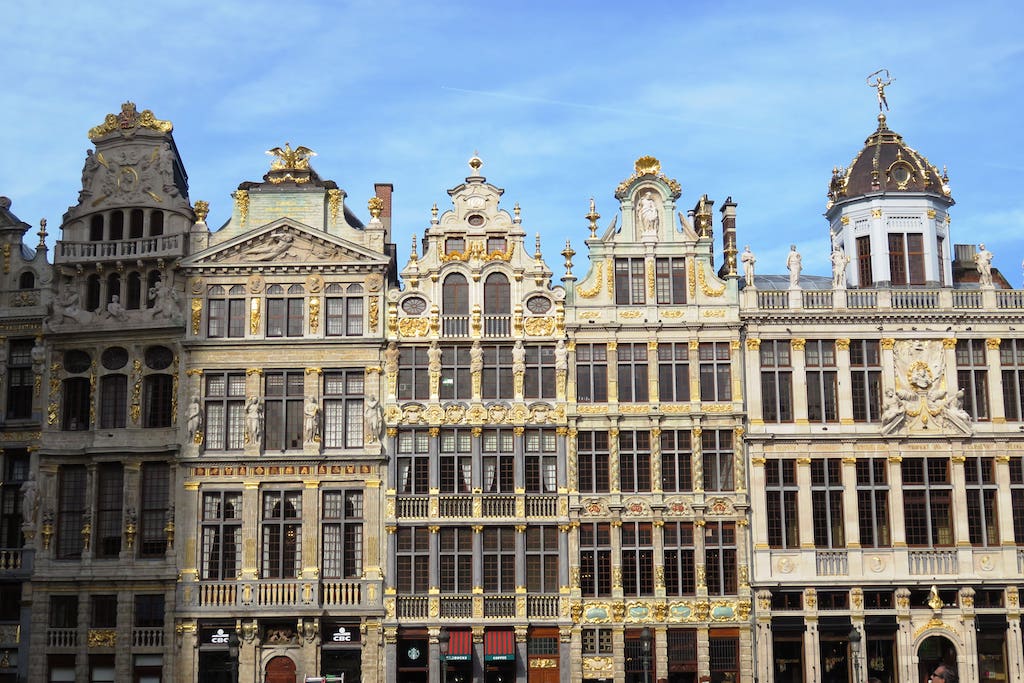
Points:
(982, 525)
(718, 459)
(715, 371)
(776, 381)
(897, 259)
(591, 373)
(597, 641)
(592, 456)
(12, 477)
(109, 509)
(637, 559)
(822, 382)
(343, 409)
(149, 610)
(670, 280)
(632, 373)
(456, 460)
(720, 557)
(781, 494)
(413, 461)
(827, 503)
(915, 258)
(1017, 498)
(155, 494)
(64, 611)
(456, 373)
(496, 377)
(283, 402)
(77, 397)
(676, 462)
(413, 374)
(158, 395)
(455, 559)
(20, 380)
(454, 245)
(673, 372)
(680, 572)
(539, 378)
(940, 248)
(499, 559)
(344, 314)
(595, 559)
(113, 401)
(864, 275)
(541, 448)
(70, 511)
(542, 559)
(221, 535)
(225, 411)
(412, 548)
(972, 377)
(629, 281)
(927, 502)
(635, 461)
(226, 313)
(342, 529)
(873, 502)
(282, 534)
(104, 611)
(498, 456)
(1011, 359)
(866, 379)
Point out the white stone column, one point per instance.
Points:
(845, 383)
(851, 520)
(804, 506)
(961, 533)
(799, 364)
(1004, 503)
(894, 473)
(753, 368)
(997, 411)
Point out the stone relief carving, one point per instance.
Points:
(920, 400)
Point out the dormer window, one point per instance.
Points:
(455, 245)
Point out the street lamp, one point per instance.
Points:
(443, 638)
(855, 653)
(645, 652)
(233, 656)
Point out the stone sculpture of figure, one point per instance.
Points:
(434, 358)
(391, 358)
(880, 85)
(311, 420)
(893, 413)
(38, 356)
(984, 261)
(956, 416)
(518, 357)
(254, 421)
(67, 305)
(89, 169)
(165, 301)
(794, 264)
(277, 245)
(374, 416)
(748, 260)
(647, 214)
(476, 358)
(561, 357)
(29, 502)
(115, 310)
(194, 420)
(839, 262)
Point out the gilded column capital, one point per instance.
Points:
(949, 343)
(992, 343)
(797, 344)
(888, 343)
(843, 344)
(753, 344)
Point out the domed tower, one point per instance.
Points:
(888, 210)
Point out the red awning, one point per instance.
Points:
(499, 646)
(460, 646)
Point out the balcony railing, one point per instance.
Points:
(456, 607)
(148, 637)
(62, 637)
(541, 506)
(144, 247)
(412, 607)
(412, 506)
(499, 607)
(542, 606)
(455, 325)
(932, 561)
(831, 563)
(10, 559)
(888, 299)
(466, 506)
(285, 593)
(817, 298)
(498, 506)
(455, 506)
(464, 606)
(915, 298)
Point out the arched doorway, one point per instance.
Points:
(280, 670)
(933, 651)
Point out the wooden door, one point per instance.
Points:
(280, 670)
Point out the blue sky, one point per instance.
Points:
(750, 100)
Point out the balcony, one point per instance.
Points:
(148, 637)
(493, 326)
(271, 593)
(478, 506)
(831, 563)
(164, 246)
(418, 607)
(62, 638)
(10, 559)
(828, 300)
(932, 562)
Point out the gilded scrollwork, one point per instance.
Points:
(705, 286)
(414, 327)
(598, 281)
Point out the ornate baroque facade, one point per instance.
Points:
(264, 451)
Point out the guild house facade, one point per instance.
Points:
(271, 452)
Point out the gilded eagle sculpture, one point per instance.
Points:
(288, 159)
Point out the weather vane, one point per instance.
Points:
(880, 84)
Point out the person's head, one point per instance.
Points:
(942, 674)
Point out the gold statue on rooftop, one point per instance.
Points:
(880, 84)
(289, 159)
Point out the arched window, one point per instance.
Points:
(96, 228)
(27, 280)
(116, 226)
(455, 305)
(497, 306)
(113, 287)
(134, 299)
(76, 403)
(135, 224)
(92, 293)
(156, 223)
(154, 277)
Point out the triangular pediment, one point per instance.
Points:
(284, 243)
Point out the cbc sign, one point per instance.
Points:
(342, 635)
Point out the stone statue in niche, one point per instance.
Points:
(311, 420)
(29, 502)
(648, 215)
(374, 416)
(194, 420)
(254, 421)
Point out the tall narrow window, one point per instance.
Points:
(591, 373)
(635, 461)
(873, 502)
(1017, 498)
(827, 503)
(776, 381)
(19, 379)
(342, 528)
(76, 403)
(283, 393)
(680, 572)
(135, 220)
(822, 382)
(864, 275)
(158, 399)
(673, 372)
(715, 371)
(116, 225)
(285, 311)
(14, 473)
(455, 559)
(225, 411)
(676, 457)
(629, 281)
(497, 306)
(781, 492)
(927, 502)
(632, 373)
(897, 260)
(637, 559)
(499, 559)
(109, 509)
(1011, 358)
(282, 534)
(343, 409)
(498, 455)
(670, 280)
(413, 374)
(221, 535)
(413, 464)
(113, 401)
(972, 376)
(344, 310)
(156, 223)
(866, 380)
(226, 312)
(456, 461)
(455, 306)
(595, 559)
(592, 456)
(541, 447)
(718, 459)
(720, 557)
(981, 487)
(539, 378)
(70, 511)
(155, 491)
(496, 377)
(542, 559)
(412, 547)
(940, 247)
(456, 373)
(915, 258)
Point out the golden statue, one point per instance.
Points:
(290, 159)
(880, 85)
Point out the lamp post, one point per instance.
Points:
(233, 656)
(442, 644)
(645, 652)
(855, 653)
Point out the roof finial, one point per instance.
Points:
(880, 84)
(592, 217)
(475, 163)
